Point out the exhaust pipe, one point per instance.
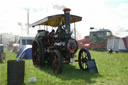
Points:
(67, 18)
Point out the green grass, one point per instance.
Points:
(112, 68)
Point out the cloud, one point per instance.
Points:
(123, 9)
(59, 7)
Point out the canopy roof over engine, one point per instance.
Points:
(55, 20)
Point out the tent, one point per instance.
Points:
(25, 52)
(118, 44)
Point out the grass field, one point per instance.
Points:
(112, 68)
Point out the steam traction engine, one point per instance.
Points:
(58, 47)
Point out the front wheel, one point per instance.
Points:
(57, 62)
(83, 57)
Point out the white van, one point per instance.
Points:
(23, 40)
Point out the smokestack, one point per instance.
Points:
(67, 18)
(91, 28)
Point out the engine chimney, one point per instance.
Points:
(67, 18)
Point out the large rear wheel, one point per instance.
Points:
(37, 53)
(83, 57)
(57, 62)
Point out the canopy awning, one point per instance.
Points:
(55, 20)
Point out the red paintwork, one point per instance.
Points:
(68, 47)
(87, 44)
(83, 42)
(125, 42)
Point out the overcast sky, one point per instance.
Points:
(110, 14)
